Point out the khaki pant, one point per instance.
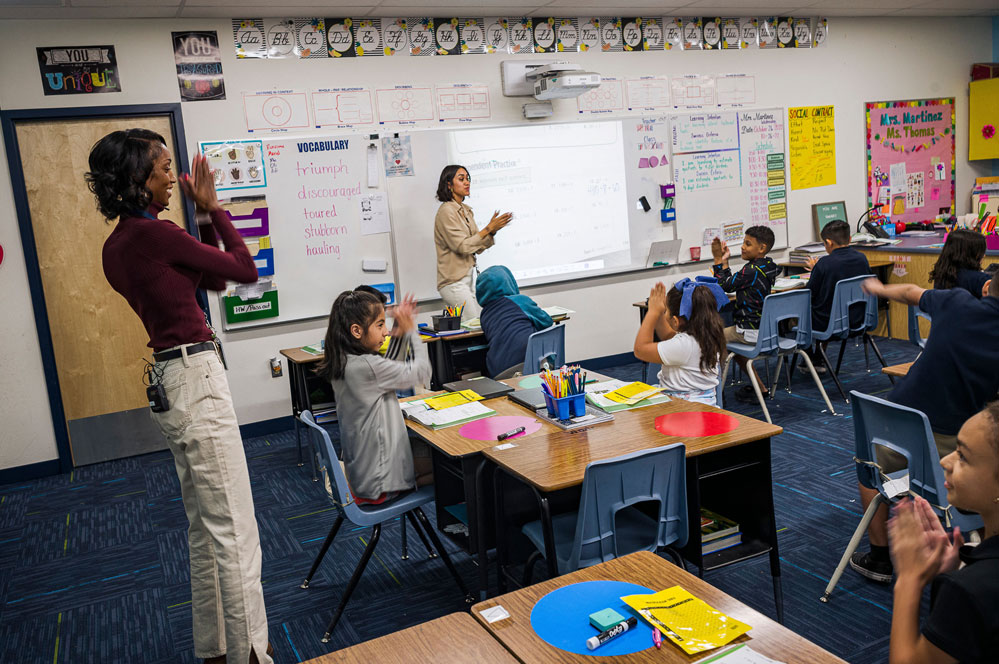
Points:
(462, 292)
(890, 461)
(201, 429)
(733, 335)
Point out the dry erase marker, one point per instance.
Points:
(603, 637)
(510, 434)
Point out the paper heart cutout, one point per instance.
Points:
(398, 161)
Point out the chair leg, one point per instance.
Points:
(766, 369)
(529, 568)
(323, 550)
(773, 389)
(469, 599)
(725, 366)
(376, 532)
(839, 360)
(852, 546)
(818, 383)
(431, 554)
(867, 355)
(839, 385)
(405, 544)
(759, 395)
(675, 557)
(877, 351)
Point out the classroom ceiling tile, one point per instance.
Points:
(477, 9)
(240, 7)
(123, 3)
(936, 11)
(992, 5)
(598, 5)
(273, 11)
(31, 3)
(750, 7)
(37, 12)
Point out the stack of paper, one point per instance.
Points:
(632, 393)
(419, 411)
(596, 394)
(452, 399)
(557, 312)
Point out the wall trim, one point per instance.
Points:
(606, 361)
(266, 427)
(31, 471)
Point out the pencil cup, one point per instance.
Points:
(695, 253)
(445, 323)
(566, 407)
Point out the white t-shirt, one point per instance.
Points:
(681, 365)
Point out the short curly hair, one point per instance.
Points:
(120, 164)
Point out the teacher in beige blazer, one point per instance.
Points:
(459, 240)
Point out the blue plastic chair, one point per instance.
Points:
(915, 336)
(905, 431)
(608, 524)
(793, 304)
(545, 346)
(408, 504)
(846, 293)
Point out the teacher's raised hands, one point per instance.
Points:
(498, 221)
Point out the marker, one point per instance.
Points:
(660, 264)
(657, 638)
(603, 637)
(509, 434)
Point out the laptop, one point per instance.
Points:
(487, 388)
(533, 398)
(667, 251)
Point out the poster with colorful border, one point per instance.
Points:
(589, 33)
(368, 37)
(447, 37)
(199, 65)
(545, 35)
(917, 136)
(75, 70)
(395, 37)
(248, 37)
(567, 31)
(473, 37)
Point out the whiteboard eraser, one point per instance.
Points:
(374, 264)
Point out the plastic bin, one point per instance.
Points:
(566, 407)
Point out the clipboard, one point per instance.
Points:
(667, 251)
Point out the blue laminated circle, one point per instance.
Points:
(562, 617)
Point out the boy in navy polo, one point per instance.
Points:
(953, 379)
(842, 262)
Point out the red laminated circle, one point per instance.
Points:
(695, 424)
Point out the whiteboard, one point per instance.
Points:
(312, 188)
(573, 189)
(730, 171)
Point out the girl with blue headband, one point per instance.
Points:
(692, 337)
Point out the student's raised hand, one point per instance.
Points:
(873, 287)
(916, 552)
(499, 221)
(199, 185)
(810, 263)
(657, 299)
(718, 249)
(405, 315)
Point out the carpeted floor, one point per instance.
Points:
(93, 564)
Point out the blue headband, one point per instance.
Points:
(687, 286)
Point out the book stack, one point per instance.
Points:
(420, 411)
(613, 395)
(717, 532)
(801, 254)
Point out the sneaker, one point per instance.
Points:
(748, 395)
(875, 570)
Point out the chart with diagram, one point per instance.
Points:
(404, 104)
(343, 107)
(608, 97)
(736, 89)
(463, 102)
(693, 91)
(648, 93)
(276, 110)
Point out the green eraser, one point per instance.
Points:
(605, 619)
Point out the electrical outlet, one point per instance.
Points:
(276, 371)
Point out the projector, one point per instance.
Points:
(565, 85)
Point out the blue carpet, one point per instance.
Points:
(94, 567)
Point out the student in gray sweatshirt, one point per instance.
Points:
(379, 458)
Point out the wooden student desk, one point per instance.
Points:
(453, 639)
(649, 570)
(729, 473)
(898, 370)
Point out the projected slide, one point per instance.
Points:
(565, 185)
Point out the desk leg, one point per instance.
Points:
(774, 550)
(480, 521)
(298, 437)
(546, 531)
(500, 527)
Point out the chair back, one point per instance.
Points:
(847, 293)
(915, 337)
(333, 476)
(608, 486)
(778, 307)
(907, 432)
(547, 345)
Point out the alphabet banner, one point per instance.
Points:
(78, 70)
(910, 158)
(199, 66)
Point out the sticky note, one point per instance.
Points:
(935, 194)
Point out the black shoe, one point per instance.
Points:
(748, 395)
(875, 570)
(820, 368)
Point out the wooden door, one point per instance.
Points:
(98, 341)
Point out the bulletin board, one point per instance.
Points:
(729, 169)
(307, 208)
(910, 157)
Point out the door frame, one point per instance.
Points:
(9, 120)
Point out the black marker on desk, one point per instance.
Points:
(603, 637)
(509, 434)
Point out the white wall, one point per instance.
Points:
(867, 59)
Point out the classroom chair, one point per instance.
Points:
(846, 293)
(609, 523)
(408, 506)
(793, 304)
(877, 422)
(545, 346)
(915, 337)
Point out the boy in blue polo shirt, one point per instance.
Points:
(842, 262)
(956, 375)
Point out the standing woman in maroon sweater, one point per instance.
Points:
(158, 267)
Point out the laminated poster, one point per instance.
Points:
(812, 140)
(78, 70)
(397, 153)
(199, 65)
(248, 37)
